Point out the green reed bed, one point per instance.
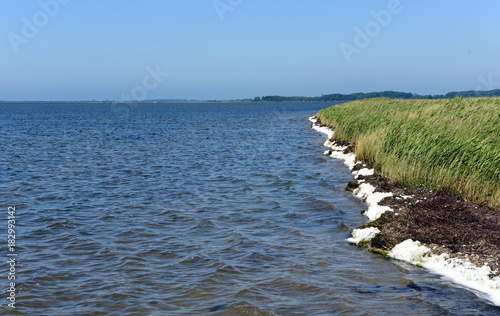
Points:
(450, 145)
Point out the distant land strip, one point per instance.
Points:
(384, 94)
(277, 98)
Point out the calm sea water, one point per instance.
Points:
(192, 209)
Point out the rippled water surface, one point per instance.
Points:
(193, 209)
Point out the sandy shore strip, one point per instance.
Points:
(450, 237)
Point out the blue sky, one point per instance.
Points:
(228, 49)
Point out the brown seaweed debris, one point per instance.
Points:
(463, 229)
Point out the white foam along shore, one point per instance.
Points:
(460, 271)
(365, 191)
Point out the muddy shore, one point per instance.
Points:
(462, 229)
(441, 221)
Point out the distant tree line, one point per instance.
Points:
(383, 94)
(277, 98)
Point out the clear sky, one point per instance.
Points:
(228, 49)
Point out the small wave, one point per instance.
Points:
(205, 224)
(456, 270)
(243, 308)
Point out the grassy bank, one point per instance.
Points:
(450, 145)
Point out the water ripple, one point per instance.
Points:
(186, 209)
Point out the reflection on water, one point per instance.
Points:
(186, 209)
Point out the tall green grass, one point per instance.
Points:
(449, 145)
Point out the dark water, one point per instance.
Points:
(192, 209)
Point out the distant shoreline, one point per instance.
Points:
(334, 97)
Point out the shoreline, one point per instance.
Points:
(456, 239)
